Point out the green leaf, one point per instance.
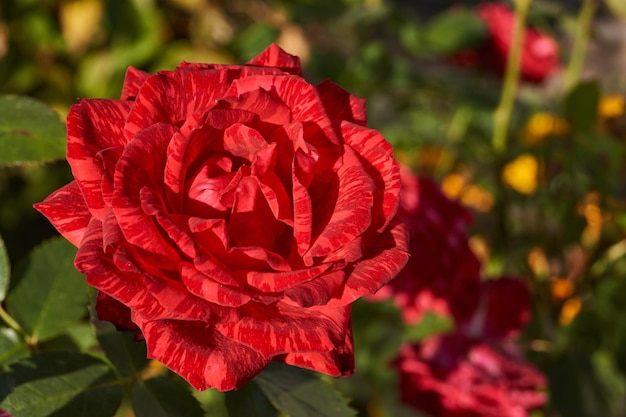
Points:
(61, 384)
(163, 397)
(48, 295)
(249, 400)
(12, 347)
(581, 106)
(453, 31)
(127, 355)
(300, 393)
(5, 270)
(29, 131)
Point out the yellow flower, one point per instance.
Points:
(538, 262)
(521, 174)
(542, 125)
(458, 187)
(611, 105)
(561, 288)
(570, 310)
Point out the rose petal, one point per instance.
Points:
(274, 56)
(133, 80)
(178, 98)
(317, 291)
(339, 362)
(279, 281)
(93, 125)
(379, 163)
(206, 287)
(144, 155)
(201, 355)
(262, 104)
(385, 258)
(67, 211)
(341, 105)
(109, 309)
(280, 328)
(350, 214)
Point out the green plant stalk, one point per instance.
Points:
(10, 321)
(581, 41)
(502, 114)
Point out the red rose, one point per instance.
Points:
(446, 377)
(442, 274)
(540, 52)
(476, 371)
(232, 214)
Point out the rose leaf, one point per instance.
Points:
(249, 400)
(121, 348)
(48, 295)
(163, 397)
(67, 384)
(297, 392)
(30, 132)
(12, 347)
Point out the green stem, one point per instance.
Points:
(502, 114)
(10, 321)
(581, 41)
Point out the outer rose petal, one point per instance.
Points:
(133, 81)
(339, 362)
(200, 354)
(273, 56)
(93, 125)
(67, 211)
(281, 328)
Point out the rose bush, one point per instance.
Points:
(231, 214)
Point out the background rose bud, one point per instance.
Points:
(231, 214)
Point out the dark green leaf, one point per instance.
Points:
(62, 384)
(300, 393)
(48, 295)
(453, 31)
(12, 347)
(250, 401)
(581, 106)
(5, 270)
(127, 355)
(163, 397)
(29, 131)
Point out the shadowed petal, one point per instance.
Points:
(109, 309)
(341, 105)
(67, 211)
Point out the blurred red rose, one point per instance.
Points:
(442, 266)
(540, 52)
(476, 370)
(232, 214)
(451, 377)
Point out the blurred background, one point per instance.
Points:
(549, 206)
